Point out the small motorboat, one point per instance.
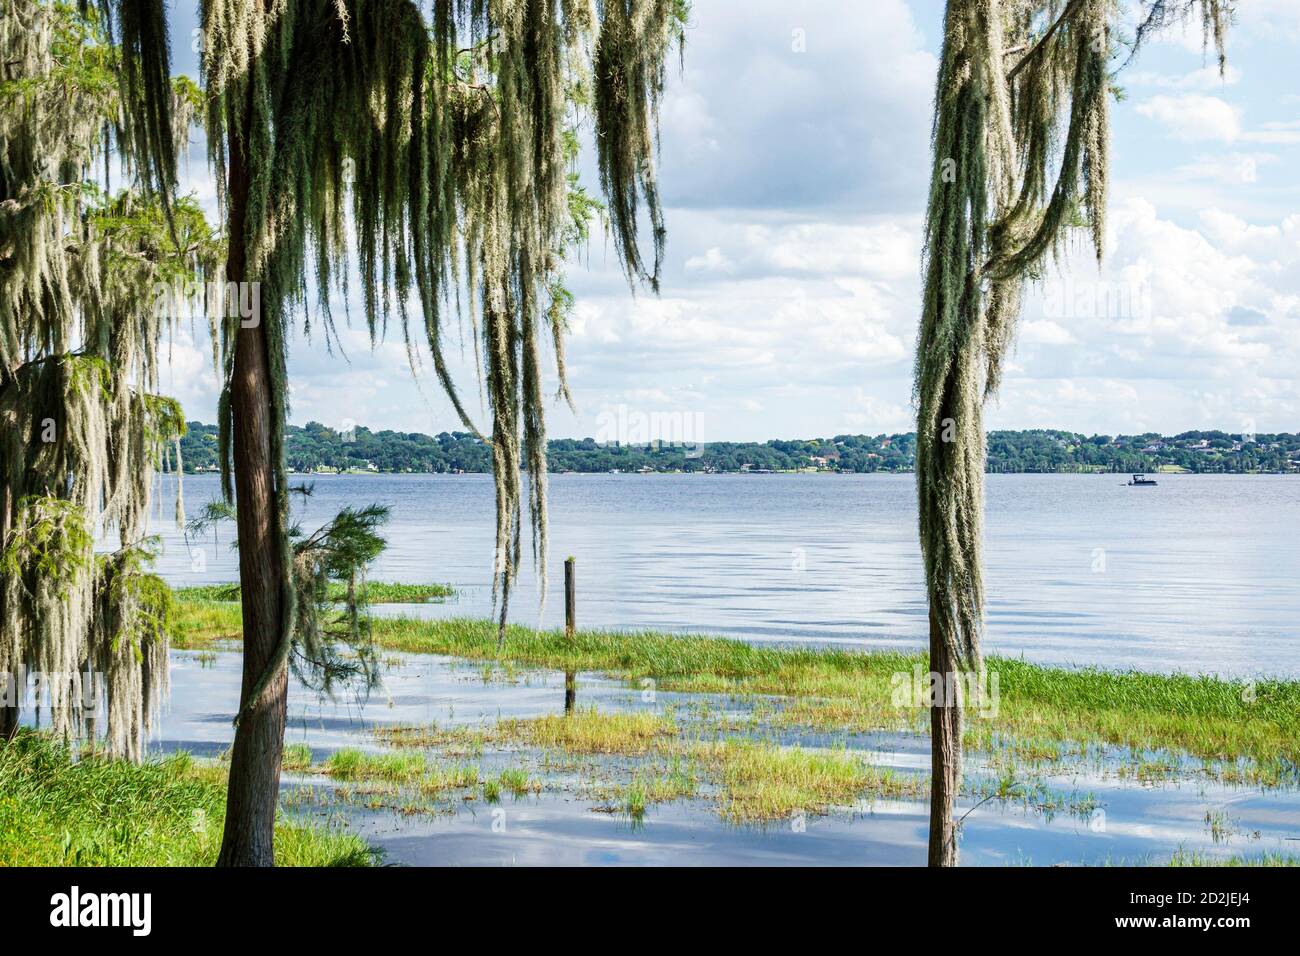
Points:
(1141, 481)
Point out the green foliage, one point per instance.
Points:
(49, 540)
(139, 604)
(60, 810)
(375, 592)
(316, 448)
(79, 334)
(331, 642)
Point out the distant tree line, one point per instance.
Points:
(316, 448)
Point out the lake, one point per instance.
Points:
(1198, 574)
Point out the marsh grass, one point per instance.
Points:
(352, 764)
(589, 731)
(1268, 858)
(1249, 731)
(296, 757)
(760, 781)
(517, 782)
(59, 811)
(751, 781)
(450, 777)
(377, 592)
(676, 779)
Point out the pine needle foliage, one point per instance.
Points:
(332, 642)
(1021, 161)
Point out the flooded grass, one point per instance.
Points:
(59, 811)
(750, 780)
(1183, 858)
(760, 781)
(589, 731)
(1215, 720)
(756, 736)
(350, 764)
(296, 757)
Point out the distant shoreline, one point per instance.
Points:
(358, 473)
(317, 449)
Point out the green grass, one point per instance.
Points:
(350, 764)
(377, 592)
(57, 811)
(296, 757)
(1205, 717)
(517, 782)
(761, 781)
(1269, 859)
(589, 731)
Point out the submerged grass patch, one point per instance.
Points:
(752, 781)
(296, 757)
(760, 781)
(1268, 858)
(59, 811)
(351, 764)
(591, 732)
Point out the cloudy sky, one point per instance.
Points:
(794, 163)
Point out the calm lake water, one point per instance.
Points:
(1198, 574)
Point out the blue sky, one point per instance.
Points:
(794, 160)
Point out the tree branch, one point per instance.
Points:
(1068, 12)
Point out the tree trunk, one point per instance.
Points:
(254, 788)
(945, 751)
(8, 715)
(9, 719)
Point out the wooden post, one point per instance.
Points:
(570, 598)
(570, 629)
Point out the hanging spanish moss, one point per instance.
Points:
(440, 154)
(1020, 162)
(1020, 150)
(81, 428)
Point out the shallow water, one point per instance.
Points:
(563, 826)
(1196, 575)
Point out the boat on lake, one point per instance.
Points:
(1142, 481)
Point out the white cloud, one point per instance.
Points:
(1205, 78)
(1191, 117)
(1045, 332)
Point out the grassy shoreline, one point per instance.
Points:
(375, 592)
(56, 810)
(1250, 731)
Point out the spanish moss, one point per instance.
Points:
(81, 319)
